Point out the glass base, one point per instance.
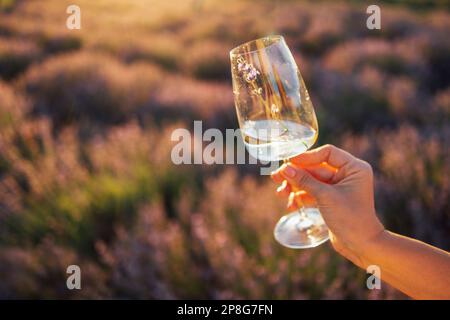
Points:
(298, 231)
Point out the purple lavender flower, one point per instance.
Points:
(247, 70)
(251, 75)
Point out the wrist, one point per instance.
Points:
(370, 249)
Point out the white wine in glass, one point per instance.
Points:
(278, 122)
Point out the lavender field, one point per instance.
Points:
(86, 118)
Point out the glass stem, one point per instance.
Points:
(302, 212)
(305, 222)
(294, 189)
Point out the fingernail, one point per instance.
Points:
(283, 185)
(289, 204)
(290, 201)
(290, 171)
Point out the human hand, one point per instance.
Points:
(342, 187)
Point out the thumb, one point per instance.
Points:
(303, 180)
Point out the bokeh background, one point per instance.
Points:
(85, 124)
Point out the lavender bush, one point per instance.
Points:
(85, 125)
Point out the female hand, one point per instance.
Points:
(342, 187)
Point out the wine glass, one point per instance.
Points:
(277, 122)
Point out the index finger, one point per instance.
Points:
(323, 172)
(330, 154)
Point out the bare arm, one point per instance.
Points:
(342, 186)
(419, 270)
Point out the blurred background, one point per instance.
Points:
(85, 123)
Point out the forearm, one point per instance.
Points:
(419, 270)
